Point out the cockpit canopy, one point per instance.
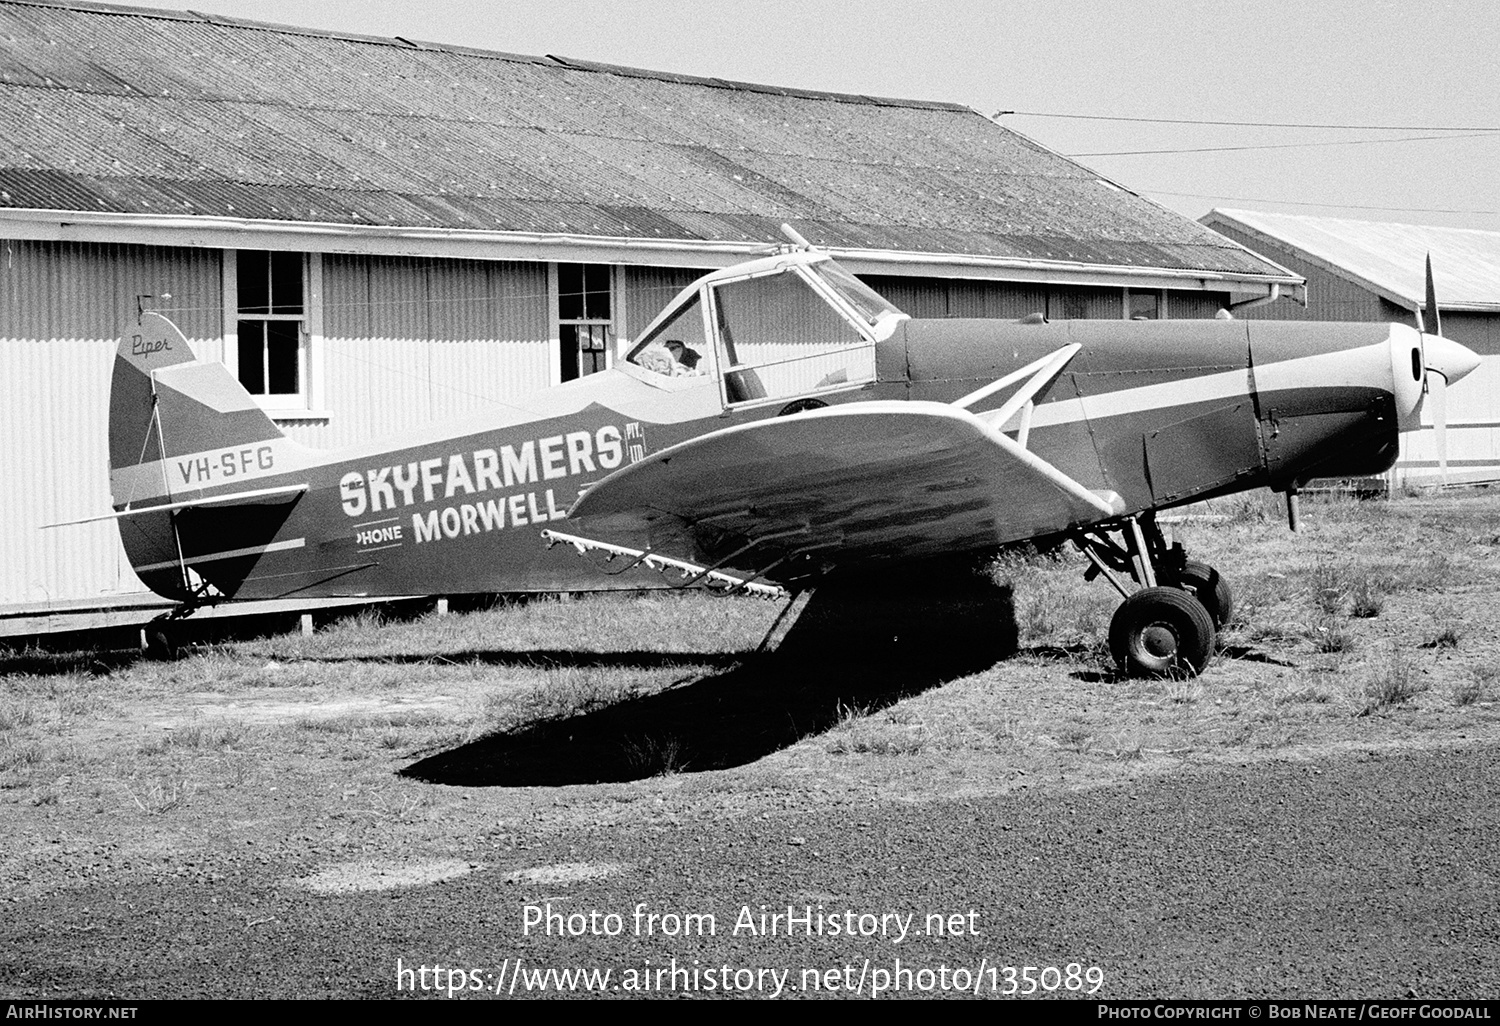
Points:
(791, 325)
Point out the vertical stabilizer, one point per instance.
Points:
(165, 403)
(177, 427)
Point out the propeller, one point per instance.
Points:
(1445, 362)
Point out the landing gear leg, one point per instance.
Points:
(1168, 624)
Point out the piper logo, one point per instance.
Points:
(146, 346)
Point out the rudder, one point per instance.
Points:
(164, 403)
(168, 413)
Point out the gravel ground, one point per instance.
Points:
(1364, 873)
(587, 787)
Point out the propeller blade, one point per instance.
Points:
(1437, 389)
(1432, 307)
(1440, 355)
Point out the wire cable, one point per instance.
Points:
(1281, 146)
(1309, 203)
(1252, 124)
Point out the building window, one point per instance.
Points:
(271, 306)
(1142, 305)
(585, 318)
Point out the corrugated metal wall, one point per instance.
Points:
(1079, 302)
(1329, 298)
(1479, 331)
(405, 342)
(1185, 304)
(646, 290)
(939, 297)
(408, 341)
(62, 307)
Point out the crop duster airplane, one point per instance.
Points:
(778, 425)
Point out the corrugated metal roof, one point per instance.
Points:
(134, 111)
(1387, 258)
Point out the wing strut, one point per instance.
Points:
(1041, 373)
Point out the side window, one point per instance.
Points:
(268, 308)
(585, 318)
(780, 338)
(676, 349)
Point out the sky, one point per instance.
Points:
(1413, 88)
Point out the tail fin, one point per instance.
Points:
(177, 426)
(165, 404)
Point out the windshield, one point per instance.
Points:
(868, 303)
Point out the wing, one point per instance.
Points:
(852, 483)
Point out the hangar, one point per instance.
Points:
(1374, 271)
(374, 233)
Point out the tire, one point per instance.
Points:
(1211, 590)
(1158, 632)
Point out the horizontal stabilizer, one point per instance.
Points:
(231, 499)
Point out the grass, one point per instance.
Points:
(1376, 607)
(1479, 685)
(1330, 633)
(1351, 588)
(16, 714)
(1446, 628)
(1392, 680)
(18, 754)
(1307, 693)
(1367, 599)
(1467, 692)
(160, 795)
(895, 731)
(655, 756)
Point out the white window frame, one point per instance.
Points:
(616, 322)
(836, 303)
(308, 403)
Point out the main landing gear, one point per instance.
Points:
(1168, 625)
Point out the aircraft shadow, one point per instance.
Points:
(1251, 655)
(550, 658)
(847, 651)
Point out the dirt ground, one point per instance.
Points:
(371, 755)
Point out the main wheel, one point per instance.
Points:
(1159, 631)
(1211, 590)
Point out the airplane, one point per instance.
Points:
(778, 427)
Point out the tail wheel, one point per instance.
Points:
(1211, 590)
(162, 642)
(1160, 631)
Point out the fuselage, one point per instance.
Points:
(1168, 412)
(1156, 413)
